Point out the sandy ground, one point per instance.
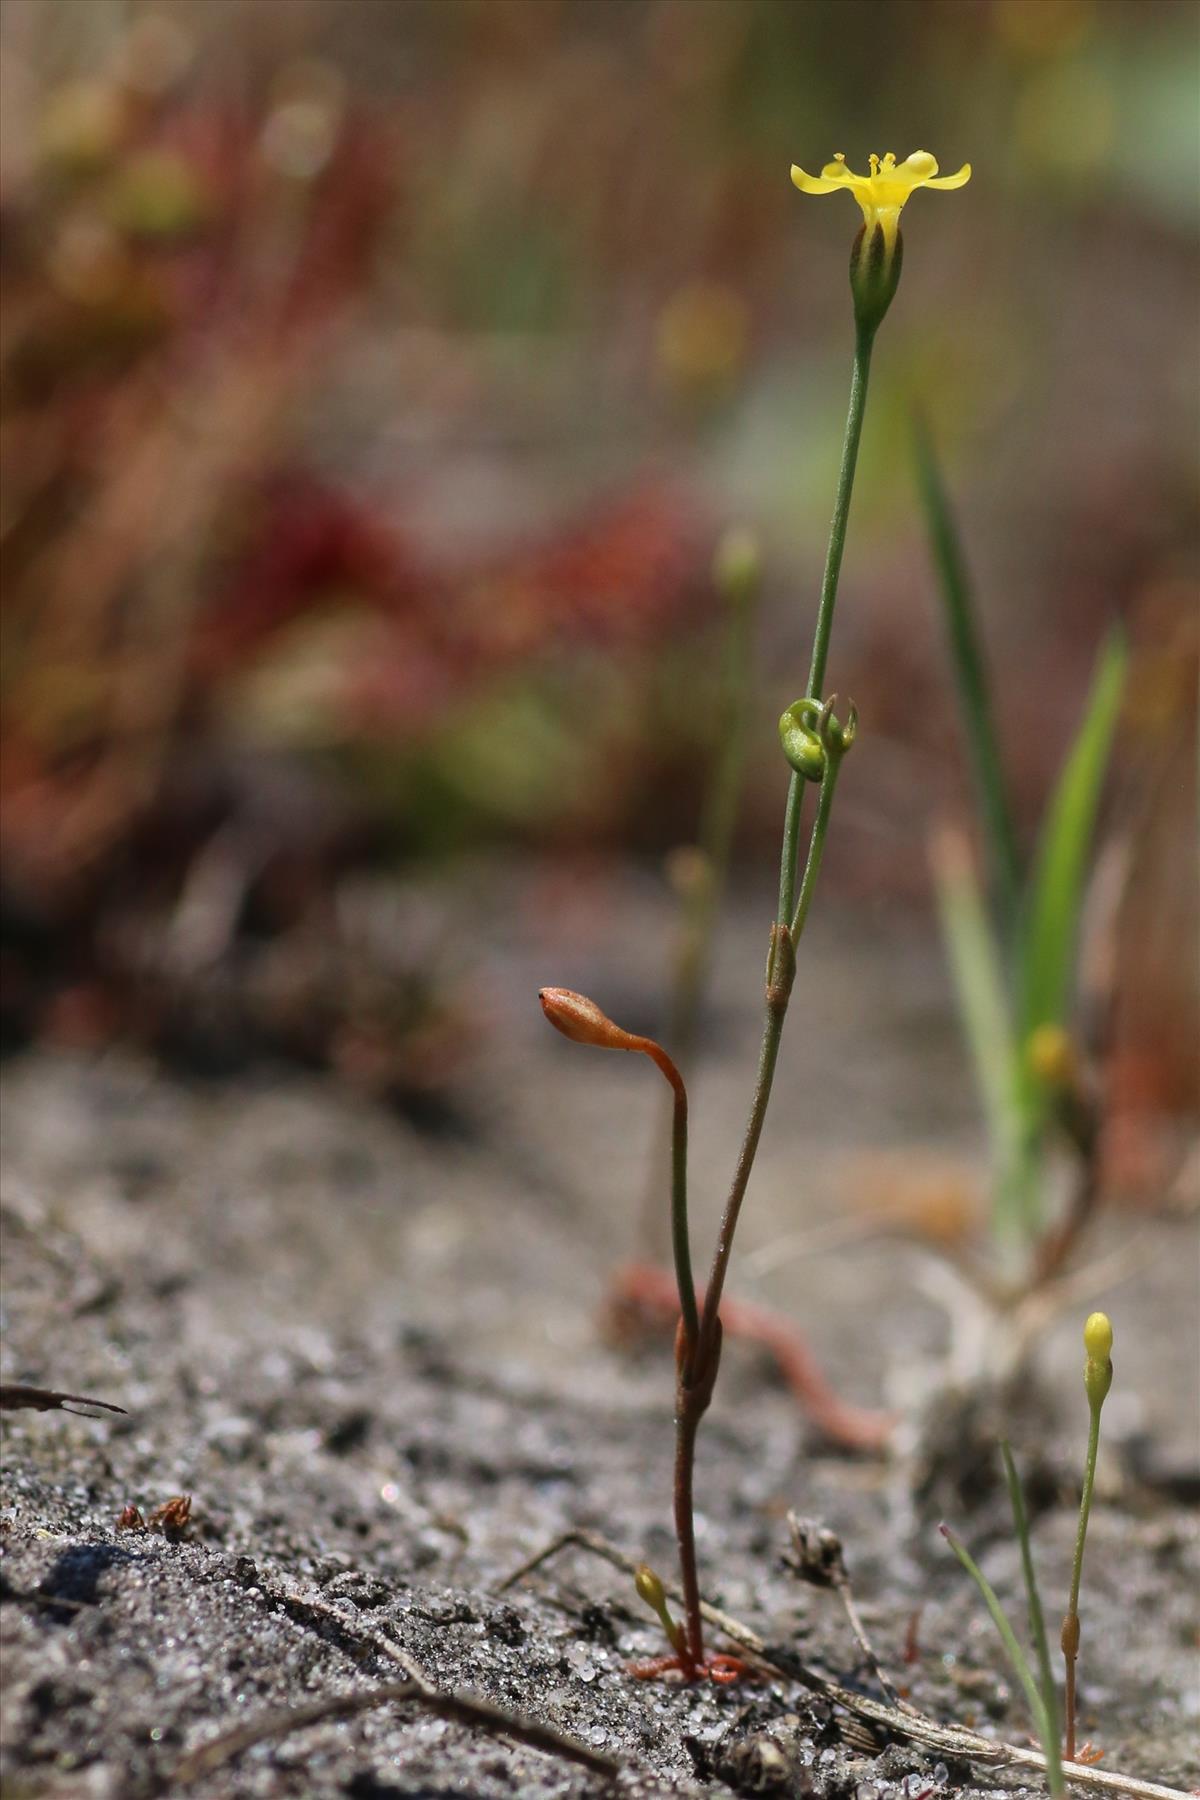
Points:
(370, 1355)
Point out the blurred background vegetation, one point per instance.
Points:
(376, 380)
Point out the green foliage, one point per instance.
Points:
(1016, 1656)
(979, 981)
(970, 672)
(1014, 973)
(1037, 1623)
(1060, 874)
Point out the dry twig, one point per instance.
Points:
(462, 1708)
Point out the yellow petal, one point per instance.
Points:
(920, 166)
(814, 184)
(952, 181)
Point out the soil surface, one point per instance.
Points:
(369, 1351)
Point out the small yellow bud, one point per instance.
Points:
(1098, 1370)
(1098, 1337)
(580, 1019)
(649, 1587)
(651, 1590)
(1051, 1059)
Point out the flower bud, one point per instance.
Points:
(810, 734)
(1098, 1337)
(801, 739)
(1050, 1056)
(1098, 1370)
(580, 1019)
(649, 1587)
(651, 1590)
(875, 263)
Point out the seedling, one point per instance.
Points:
(1040, 1690)
(1097, 1379)
(815, 742)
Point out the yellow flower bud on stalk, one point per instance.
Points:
(1097, 1379)
(651, 1590)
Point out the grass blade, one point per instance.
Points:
(1016, 1656)
(1037, 1622)
(1060, 875)
(983, 1003)
(970, 673)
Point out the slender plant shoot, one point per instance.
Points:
(1037, 1621)
(815, 742)
(1047, 1736)
(1097, 1379)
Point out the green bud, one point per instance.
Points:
(801, 741)
(810, 734)
(875, 263)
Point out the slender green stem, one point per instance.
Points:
(816, 844)
(777, 1002)
(1016, 1656)
(777, 998)
(680, 1237)
(1070, 1628)
(1037, 1622)
(1085, 1507)
(792, 816)
(768, 1056)
(829, 588)
(841, 512)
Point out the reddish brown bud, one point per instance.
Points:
(579, 1018)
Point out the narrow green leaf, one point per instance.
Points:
(971, 680)
(1037, 1622)
(979, 983)
(1060, 874)
(1016, 1656)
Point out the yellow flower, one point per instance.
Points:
(883, 192)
